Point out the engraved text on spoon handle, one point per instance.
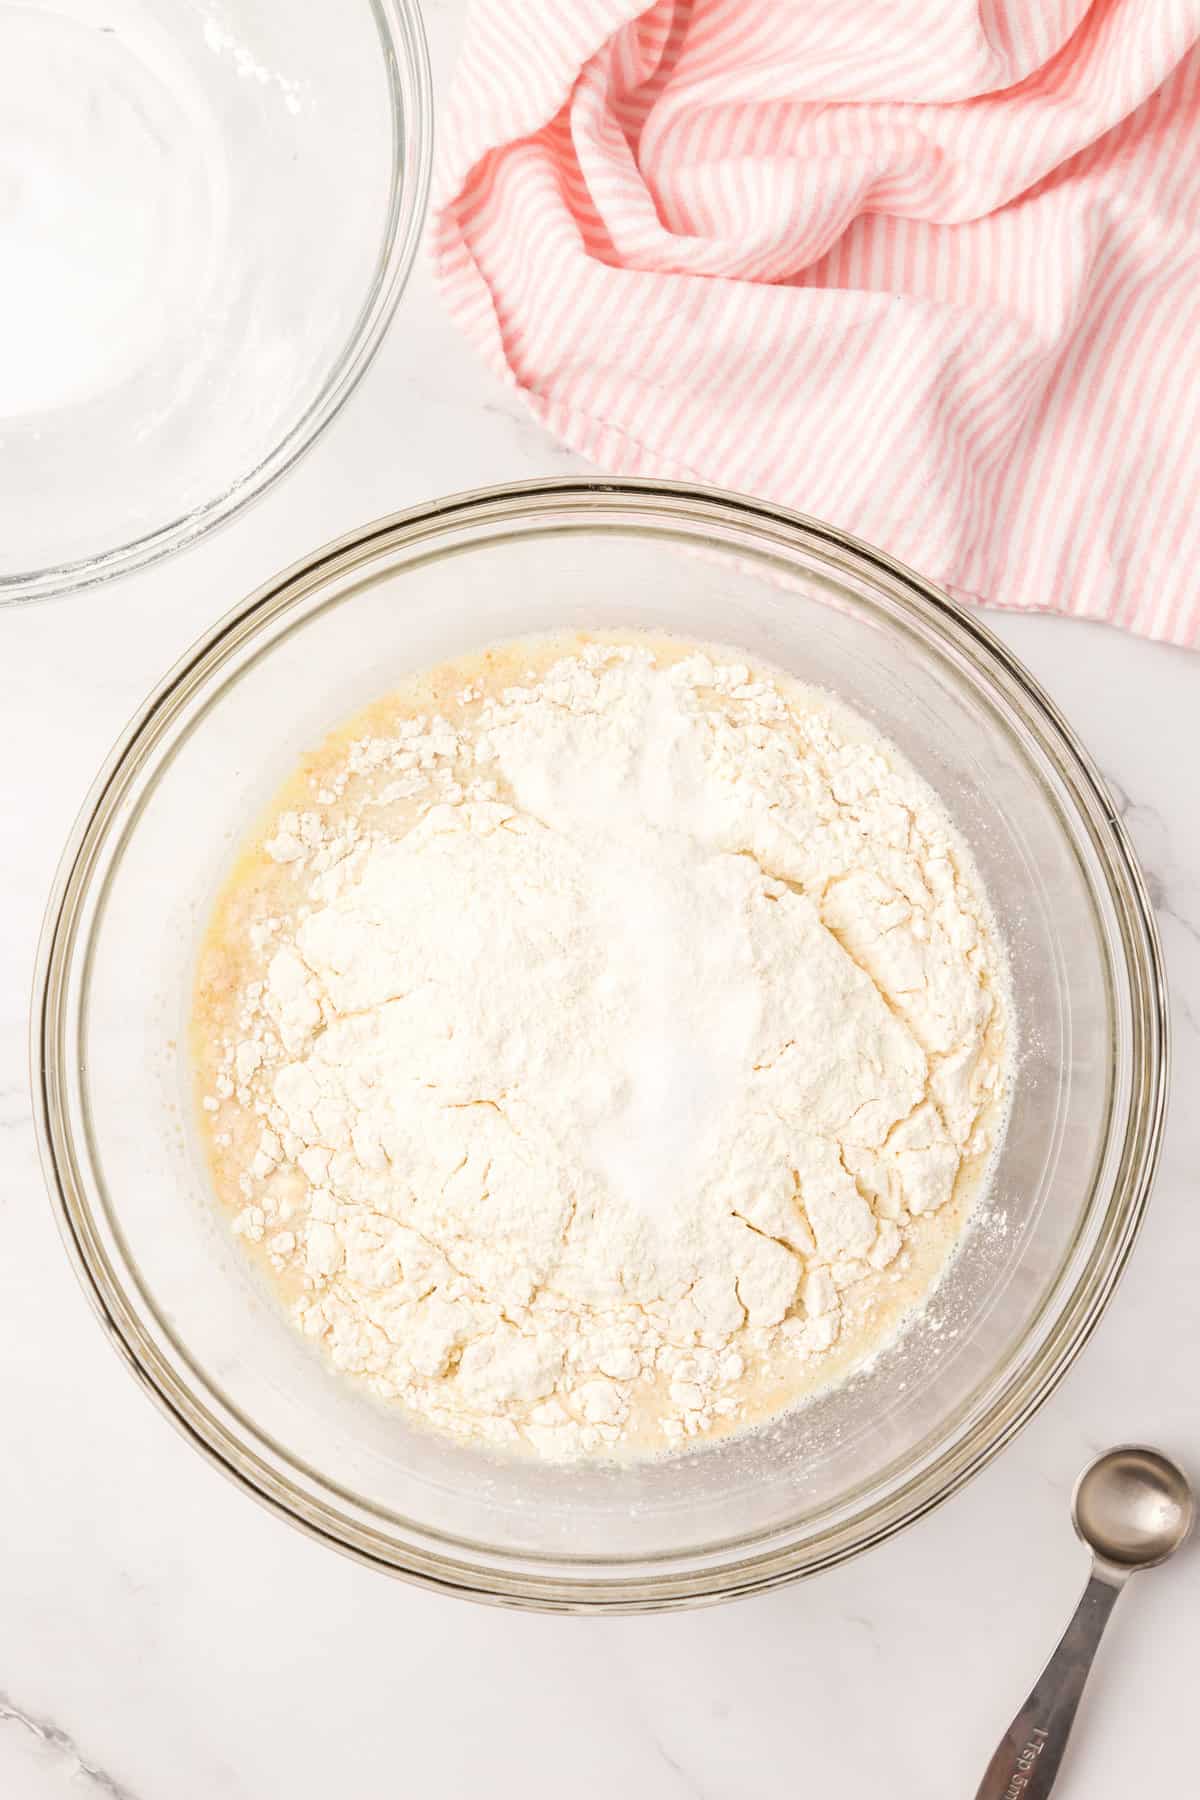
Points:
(1026, 1763)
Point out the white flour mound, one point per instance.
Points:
(613, 1073)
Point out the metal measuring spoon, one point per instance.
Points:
(1132, 1507)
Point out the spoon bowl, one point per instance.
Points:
(1133, 1507)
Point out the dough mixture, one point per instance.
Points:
(603, 1045)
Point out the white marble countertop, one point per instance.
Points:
(162, 1638)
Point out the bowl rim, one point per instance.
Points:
(404, 52)
(734, 1573)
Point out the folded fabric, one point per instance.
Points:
(928, 269)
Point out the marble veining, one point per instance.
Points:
(69, 1764)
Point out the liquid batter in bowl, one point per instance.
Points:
(602, 1045)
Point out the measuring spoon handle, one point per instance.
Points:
(1026, 1763)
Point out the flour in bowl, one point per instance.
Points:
(603, 1046)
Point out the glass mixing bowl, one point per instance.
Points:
(208, 209)
(205, 755)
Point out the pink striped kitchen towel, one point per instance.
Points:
(929, 269)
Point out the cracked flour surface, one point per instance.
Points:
(603, 1045)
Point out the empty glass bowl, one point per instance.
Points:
(116, 1111)
(208, 209)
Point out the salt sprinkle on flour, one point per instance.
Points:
(607, 1058)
